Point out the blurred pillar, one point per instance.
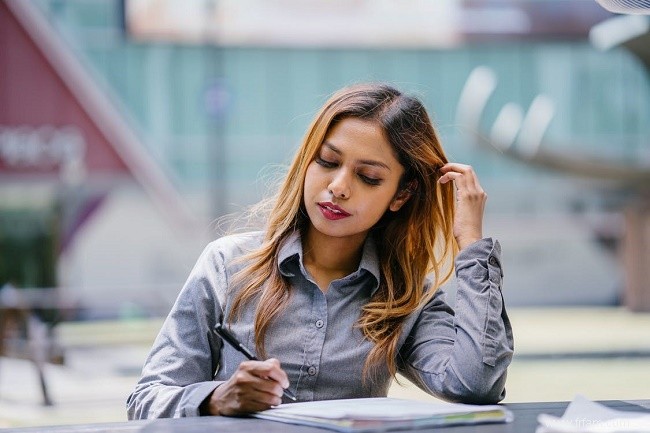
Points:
(636, 256)
(217, 103)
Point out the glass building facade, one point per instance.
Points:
(218, 115)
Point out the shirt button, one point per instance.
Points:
(312, 371)
(319, 323)
(493, 261)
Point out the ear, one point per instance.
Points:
(403, 196)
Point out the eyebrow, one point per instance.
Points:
(361, 161)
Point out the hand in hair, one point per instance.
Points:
(470, 202)
(255, 386)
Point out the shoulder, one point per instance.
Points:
(221, 254)
(235, 245)
(213, 270)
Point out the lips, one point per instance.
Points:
(332, 211)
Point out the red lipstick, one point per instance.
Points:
(332, 211)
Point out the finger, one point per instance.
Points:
(269, 369)
(255, 388)
(277, 373)
(461, 181)
(251, 402)
(454, 166)
(465, 179)
(449, 177)
(450, 171)
(242, 394)
(265, 399)
(265, 377)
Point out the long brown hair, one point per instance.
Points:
(413, 242)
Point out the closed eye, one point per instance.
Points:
(332, 164)
(370, 180)
(325, 163)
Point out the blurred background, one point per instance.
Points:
(130, 128)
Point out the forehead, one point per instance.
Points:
(362, 139)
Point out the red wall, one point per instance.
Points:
(33, 95)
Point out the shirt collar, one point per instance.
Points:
(291, 250)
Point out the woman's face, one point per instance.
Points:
(352, 181)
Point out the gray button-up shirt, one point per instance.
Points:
(459, 356)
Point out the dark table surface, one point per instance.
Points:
(525, 420)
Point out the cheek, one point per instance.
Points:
(378, 204)
(310, 179)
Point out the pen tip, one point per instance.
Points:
(290, 395)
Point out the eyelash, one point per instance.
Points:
(328, 164)
(324, 163)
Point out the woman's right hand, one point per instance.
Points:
(255, 386)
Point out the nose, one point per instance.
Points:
(339, 187)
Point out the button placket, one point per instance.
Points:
(316, 340)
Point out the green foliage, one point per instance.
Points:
(28, 248)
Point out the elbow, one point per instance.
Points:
(475, 395)
(486, 385)
(130, 410)
(488, 392)
(133, 410)
(139, 407)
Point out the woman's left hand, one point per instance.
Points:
(470, 202)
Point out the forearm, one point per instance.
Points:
(156, 400)
(178, 372)
(464, 356)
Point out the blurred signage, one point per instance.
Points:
(39, 148)
(358, 23)
(59, 131)
(50, 124)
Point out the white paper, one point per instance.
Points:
(585, 416)
(378, 408)
(371, 415)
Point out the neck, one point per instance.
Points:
(336, 257)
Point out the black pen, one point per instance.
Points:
(230, 339)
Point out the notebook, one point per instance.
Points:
(383, 414)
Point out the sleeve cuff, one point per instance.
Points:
(192, 404)
(486, 251)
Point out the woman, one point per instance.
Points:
(340, 291)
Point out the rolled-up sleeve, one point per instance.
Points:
(177, 374)
(463, 355)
